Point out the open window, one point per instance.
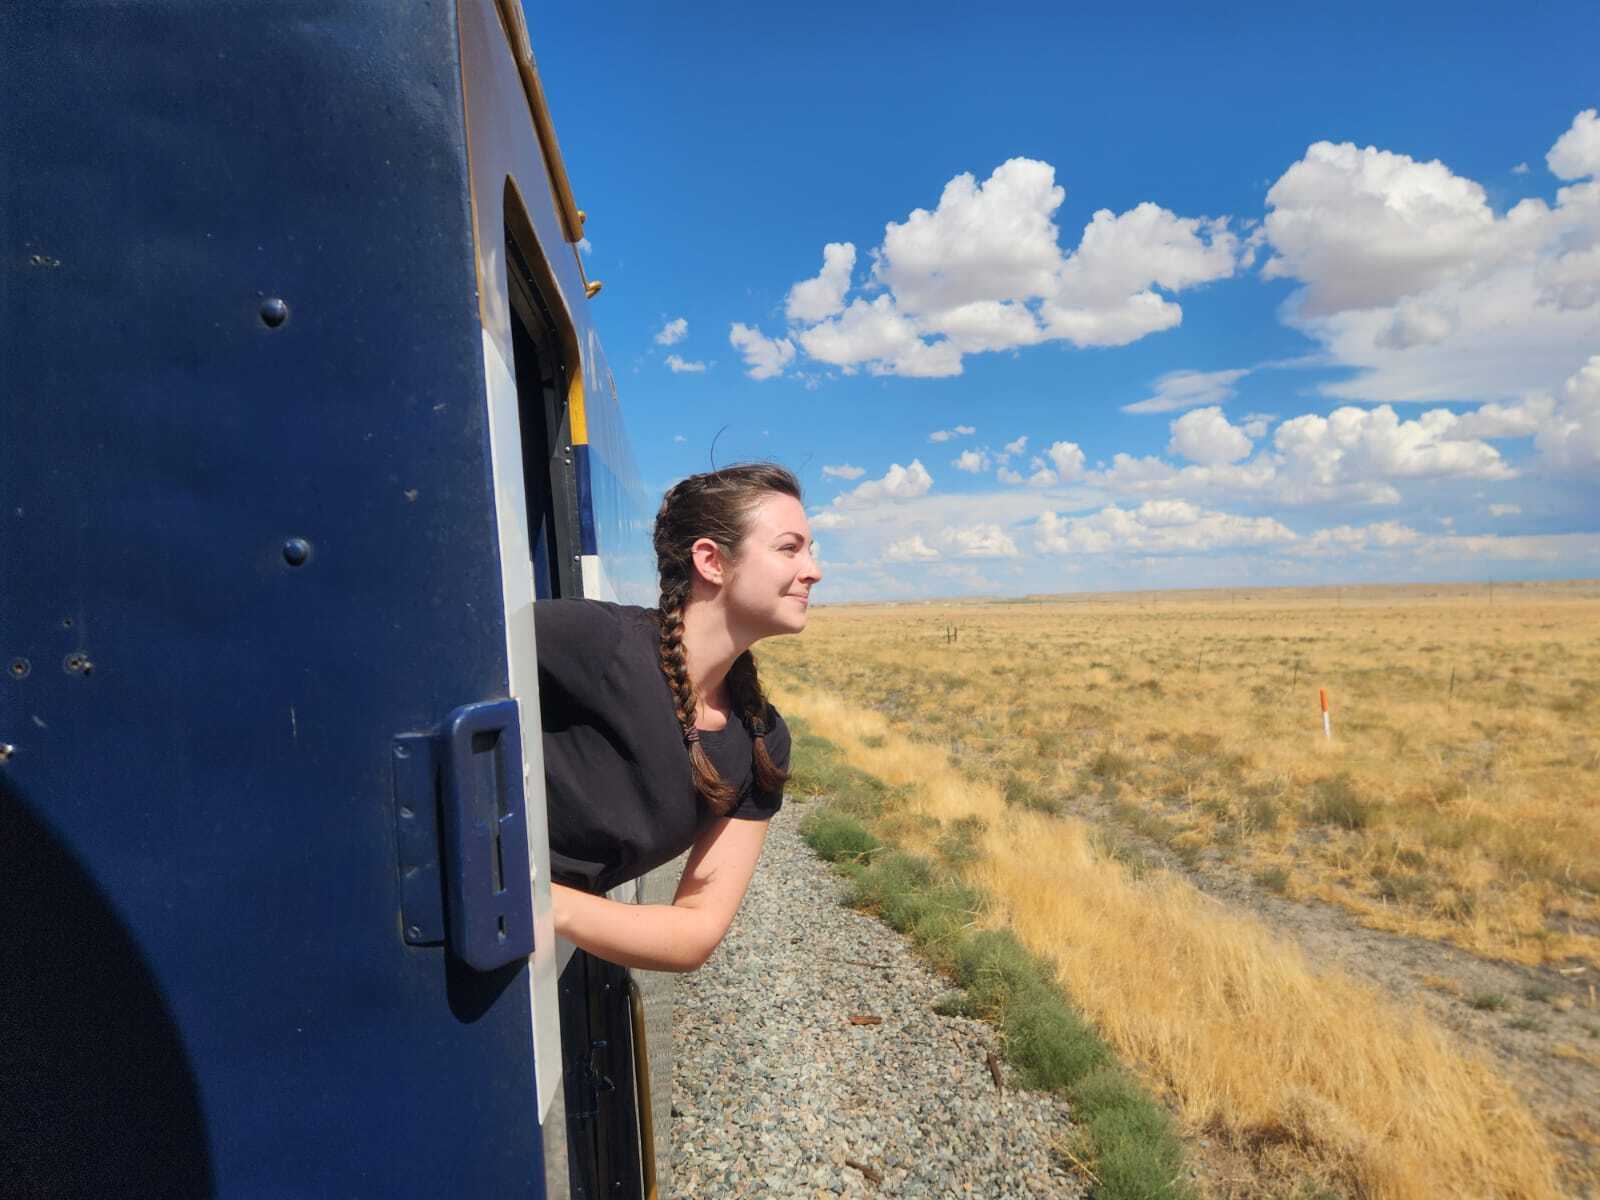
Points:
(543, 370)
(604, 1147)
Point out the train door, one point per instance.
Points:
(261, 803)
(598, 1111)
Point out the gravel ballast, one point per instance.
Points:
(776, 1092)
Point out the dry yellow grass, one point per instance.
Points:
(1459, 799)
(1306, 1070)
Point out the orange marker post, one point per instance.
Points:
(1327, 724)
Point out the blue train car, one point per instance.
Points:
(301, 407)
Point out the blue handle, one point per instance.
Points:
(488, 893)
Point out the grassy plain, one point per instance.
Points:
(1457, 801)
(1459, 797)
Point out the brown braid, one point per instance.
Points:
(745, 686)
(716, 790)
(715, 505)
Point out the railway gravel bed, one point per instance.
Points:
(809, 1061)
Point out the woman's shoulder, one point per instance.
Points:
(577, 634)
(575, 615)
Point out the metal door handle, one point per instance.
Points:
(488, 892)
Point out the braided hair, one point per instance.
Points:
(715, 505)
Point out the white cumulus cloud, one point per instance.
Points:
(1106, 293)
(971, 461)
(764, 358)
(1570, 440)
(911, 549)
(876, 334)
(1576, 154)
(1203, 435)
(679, 366)
(897, 483)
(1352, 539)
(844, 471)
(1351, 455)
(1067, 457)
(673, 332)
(814, 299)
(979, 541)
(1410, 277)
(1155, 527)
(995, 240)
(984, 271)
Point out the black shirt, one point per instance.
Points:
(621, 793)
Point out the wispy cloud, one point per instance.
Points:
(844, 471)
(1188, 389)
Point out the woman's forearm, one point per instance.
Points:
(655, 937)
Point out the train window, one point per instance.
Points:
(542, 379)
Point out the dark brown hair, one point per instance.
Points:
(716, 505)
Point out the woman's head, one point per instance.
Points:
(738, 539)
(739, 536)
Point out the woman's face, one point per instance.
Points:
(769, 586)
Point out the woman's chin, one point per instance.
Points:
(793, 620)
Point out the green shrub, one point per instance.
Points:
(904, 891)
(1048, 1041)
(958, 845)
(835, 836)
(1138, 1154)
(995, 968)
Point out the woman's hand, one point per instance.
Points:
(669, 937)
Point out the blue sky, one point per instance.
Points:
(1343, 267)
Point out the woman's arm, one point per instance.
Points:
(669, 937)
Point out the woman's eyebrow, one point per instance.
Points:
(790, 533)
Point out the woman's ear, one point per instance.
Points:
(708, 561)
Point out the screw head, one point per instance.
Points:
(20, 668)
(296, 551)
(274, 312)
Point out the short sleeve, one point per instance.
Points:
(576, 641)
(758, 805)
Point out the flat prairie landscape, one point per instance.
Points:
(1441, 850)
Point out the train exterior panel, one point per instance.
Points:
(302, 409)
